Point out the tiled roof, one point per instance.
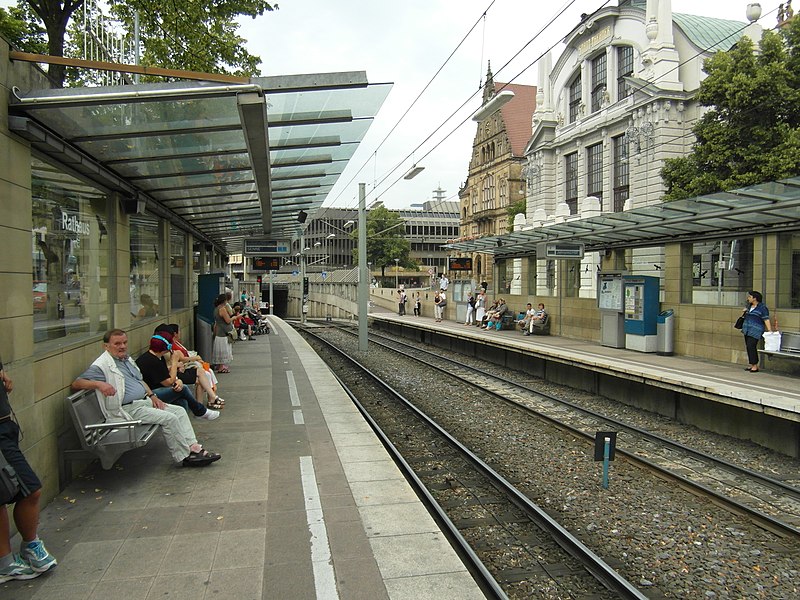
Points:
(517, 115)
(708, 33)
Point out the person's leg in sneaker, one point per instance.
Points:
(26, 509)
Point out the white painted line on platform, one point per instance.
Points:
(293, 395)
(324, 578)
(297, 414)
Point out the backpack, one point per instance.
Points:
(472, 301)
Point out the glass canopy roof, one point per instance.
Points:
(228, 161)
(766, 208)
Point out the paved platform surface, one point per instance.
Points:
(766, 392)
(305, 503)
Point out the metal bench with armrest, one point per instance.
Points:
(106, 441)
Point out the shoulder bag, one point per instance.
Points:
(739, 323)
(9, 482)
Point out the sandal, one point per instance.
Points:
(216, 404)
(223, 369)
(202, 458)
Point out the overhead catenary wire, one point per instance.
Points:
(548, 23)
(419, 95)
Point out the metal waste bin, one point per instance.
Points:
(665, 333)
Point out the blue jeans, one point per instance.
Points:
(184, 399)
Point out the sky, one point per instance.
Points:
(406, 43)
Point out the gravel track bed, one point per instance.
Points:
(664, 540)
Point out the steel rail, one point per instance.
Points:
(595, 565)
(762, 519)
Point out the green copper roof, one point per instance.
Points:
(708, 33)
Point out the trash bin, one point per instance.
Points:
(665, 333)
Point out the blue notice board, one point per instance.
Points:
(641, 304)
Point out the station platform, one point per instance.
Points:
(717, 396)
(305, 503)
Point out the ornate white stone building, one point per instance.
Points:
(616, 104)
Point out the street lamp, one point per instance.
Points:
(396, 267)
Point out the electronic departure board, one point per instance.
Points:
(463, 263)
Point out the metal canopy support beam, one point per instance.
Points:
(253, 114)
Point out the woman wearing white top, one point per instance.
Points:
(480, 306)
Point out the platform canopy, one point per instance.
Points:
(765, 208)
(225, 160)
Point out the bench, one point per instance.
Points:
(106, 441)
(790, 348)
(542, 328)
(508, 321)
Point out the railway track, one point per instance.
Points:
(768, 502)
(515, 546)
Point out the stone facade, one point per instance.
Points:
(495, 171)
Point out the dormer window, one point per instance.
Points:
(574, 99)
(598, 81)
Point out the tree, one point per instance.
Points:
(23, 29)
(385, 240)
(751, 134)
(195, 35)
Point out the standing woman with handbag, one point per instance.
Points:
(223, 326)
(756, 320)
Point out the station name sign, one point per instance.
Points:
(563, 250)
(256, 247)
(459, 264)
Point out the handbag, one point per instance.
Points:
(739, 323)
(9, 482)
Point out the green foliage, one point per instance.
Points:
(198, 35)
(192, 35)
(751, 134)
(385, 240)
(513, 210)
(23, 29)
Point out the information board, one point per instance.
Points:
(463, 263)
(263, 246)
(266, 263)
(610, 296)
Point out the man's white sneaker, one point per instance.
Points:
(210, 415)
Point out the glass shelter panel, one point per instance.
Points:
(144, 267)
(788, 271)
(722, 271)
(70, 252)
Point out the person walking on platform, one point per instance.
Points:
(756, 320)
(417, 305)
(33, 558)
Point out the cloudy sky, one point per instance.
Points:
(406, 43)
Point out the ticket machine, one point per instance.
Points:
(641, 312)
